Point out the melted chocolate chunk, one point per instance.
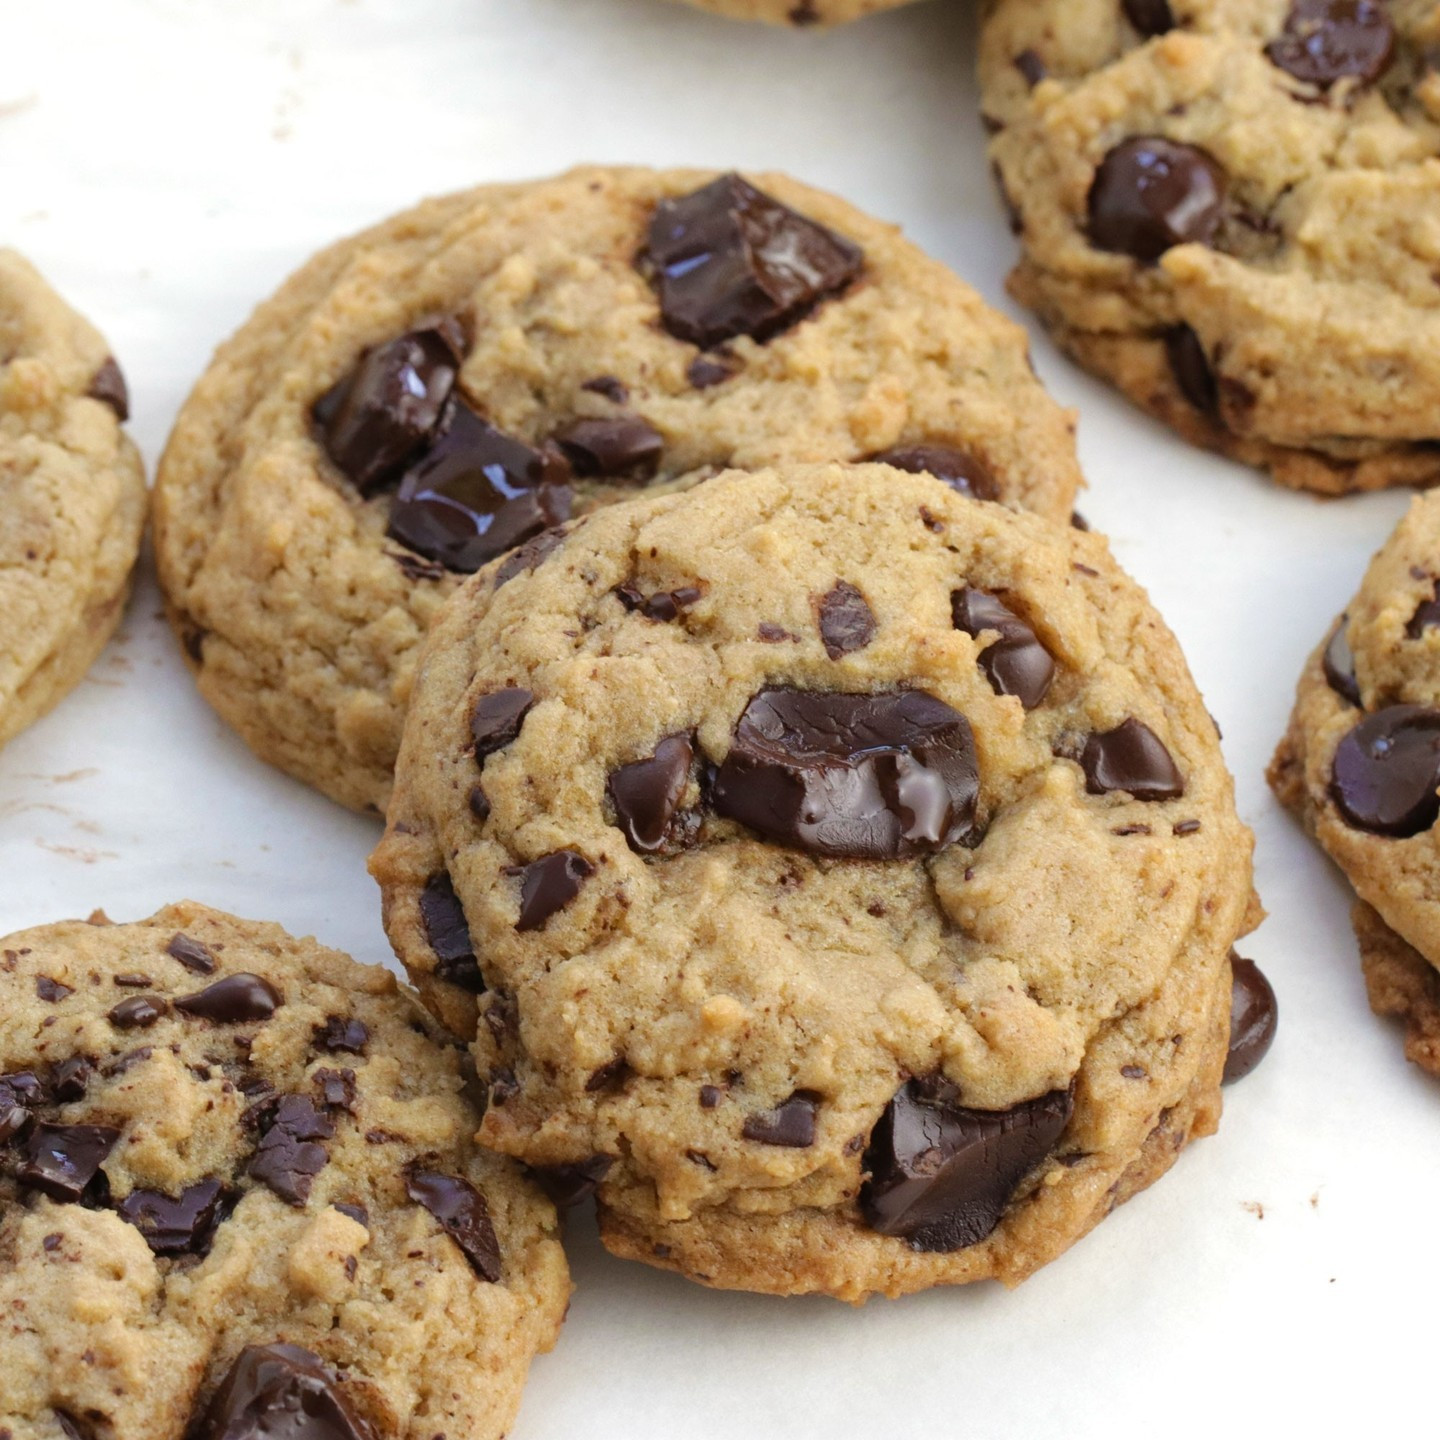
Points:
(61, 1161)
(869, 777)
(1253, 1016)
(847, 623)
(281, 1392)
(1190, 366)
(68, 1081)
(288, 1160)
(963, 472)
(1150, 193)
(137, 1013)
(623, 446)
(941, 1175)
(613, 389)
(1339, 664)
(1015, 664)
(529, 556)
(463, 1215)
(380, 417)
(448, 935)
(1031, 67)
(340, 1033)
(476, 493)
(1328, 40)
(729, 260)
(646, 795)
(51, 991)
(1150, 17)
(1387, 769)
(192, 955)
(549, 884)
(496, 719)
(358, 1213)
(20, 1095)
(110, 389)
(663, 606)
(175, 1226)
(1131, 758)
(569, 1185)
(242, 999)
(790, 1124)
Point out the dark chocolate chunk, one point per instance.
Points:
(1339, 663)
(1426, 617)
(621, 446)
(1015, 664)
(709, 1096)
(791, 1123)
(1031, 67)
(663, 606)
(416, 567)
(72, 1427)
(646, 794)
(729, 260)
(281, 1392)
(549, 884)
(941, 1175)
(288, 1159)
(449, 935)
(242, 999)
(341, 1033)
(1190, 366)
(568, 1185)
(1150, 193)
(613, 389)
(132, 980)
(476, 493)
(137, 1013)
(175, 1226)
(847, 623)
(463, 1215)
(704, 372)
(20, 1095)
(69, 1080)
(863, 776)
(496, 718)
(358, 1213)
(479, 802)
(530, 555)
(1328, 40)
(192, 955)
(1387, 769)
(963, 472)
(1253, 1016)
(51, 991)
(382, 415)
(62, 1160)
(336, 1087)
(108, 386)
(1150, 17)
(610, 1076)
(1131, 758)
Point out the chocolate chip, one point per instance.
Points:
(281, 1392)
(448, 935)
(862, 776)
(769, 633)
(236, 1000)
(20, 1094)
(646, 795)
(61, 1161)
(1079, 522)
(192, 955)
(137, 1013)
(51, 991)
(1328, 40)
(288, 1160)
(358, 1213)
(416, 567)
(175, 1226)
(476, 493)
(790, 1124)
(530, 555)
(463, 1215)
(122, 1064)
(1253, 1017)
(1150, 193)
(622, 446)
(72, 1427)
(384, 413)
(730, 260)
(1339, 663)
(703, 372)
(847, 623)
(568, 1185)
(1426, 617)
(610, 1076)
(339, 1033)
(709, 1096)
(132, 980)
(611, 388)
(496, 718)
(1190, 366)
(549, 884)
(479, 802)
(1387, 769)
(69, 1080)
(1186, 827)
(337, 1088)
(1131, 758)
(1015, 664)
(1031, 67)
(941, 1175)
(1150, 17)
(663, 606)
(109, 387)
(963, 472)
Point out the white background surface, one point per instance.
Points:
(168, 162)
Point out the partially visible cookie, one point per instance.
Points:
(797, 12)
(1360, 762)
(72, 496)
(1401, 984)
(1228, 208)
(838, 872)
(436, 391)
(238, 1181)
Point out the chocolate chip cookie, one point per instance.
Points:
(1360, 765)
(72, 496)
(1228, 209)
(238, 1186)
(838, 875)
(797, 12)
(439, 390)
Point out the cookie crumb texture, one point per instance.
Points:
(428, 395)
(1227, 208)
(860, 924)
(72, 496)
(237, 1180)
